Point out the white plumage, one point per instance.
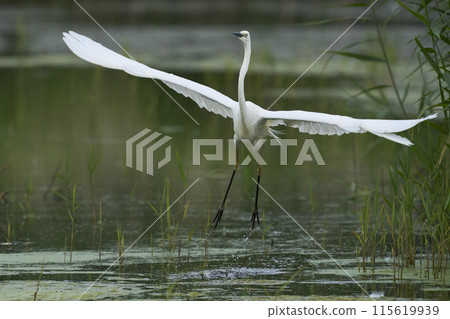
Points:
(96, 53)
(251, 121)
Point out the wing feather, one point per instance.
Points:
(94, 52)
(327, 124)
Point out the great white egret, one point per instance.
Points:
(250, 122)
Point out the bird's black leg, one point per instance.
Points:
(218, 218)
(255, 216)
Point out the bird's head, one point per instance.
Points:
(244, 36)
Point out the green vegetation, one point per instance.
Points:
(72, 207)
(72, 220)
(169, 229)
(38, 283)
(100, 232)
(372, 234)
(121, 248)
(418, 201)
(92, 163)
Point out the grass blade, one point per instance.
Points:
(359, 56)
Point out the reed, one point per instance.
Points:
(415, 209)
(174, 219)
(71, 207)
(266, 230)
(52, 181)
(92, 160)
(38, 283)
(419, 175)
(92, 163)
(363, 235)
(71, 213)
(290, 280)
(26, 206)
(8, 232)
(190, 234)
(311, 197)
(100, 228)
(120, 248)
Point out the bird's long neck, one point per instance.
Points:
(242, 73)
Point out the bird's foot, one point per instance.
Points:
(218, 218)
(255, 217)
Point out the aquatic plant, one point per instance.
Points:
(39, 282)
(169, 229)
(121, 249)
(71, 216)
(26, 206)
(190, 234)
(312, 201)
(416, 209)
(71, 207)
(92, 163)
(372, 233)
(419, 176)
(290, 280)
(52, 181)
(8, 232)
(100, 228)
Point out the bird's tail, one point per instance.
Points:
(386, 128)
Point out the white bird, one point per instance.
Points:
(250, 121)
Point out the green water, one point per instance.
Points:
(52, 119)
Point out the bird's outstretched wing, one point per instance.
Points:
(327, 124)
(96, 53)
